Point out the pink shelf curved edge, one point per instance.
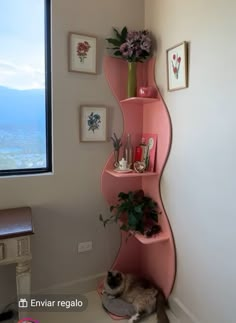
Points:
(138, 100)
(160, 237)
(153, 258)
(131, 174)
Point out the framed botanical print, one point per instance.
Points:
(82, 53)
(177, 73)
(93, 123)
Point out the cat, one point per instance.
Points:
(145, 297)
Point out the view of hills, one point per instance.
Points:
(22, 106)
(22, 128)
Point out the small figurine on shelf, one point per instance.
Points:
(123, 164)
(147, 92)
(116, 144)
(141, 157)
(139, 166)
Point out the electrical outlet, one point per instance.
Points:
(85, 246)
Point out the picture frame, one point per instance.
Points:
(93, 123)
(177, 67)
(82, 53)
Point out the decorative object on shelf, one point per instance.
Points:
(132, 79)
(116, 144)
(123, 164)
(82, 53)
(133, 46)
(134, 211)
(147, 92)
(177, 68)
(138, 153)
(116, 158)
(151, 140)
(139, 166)
(145, 152)
(128, 151)
(93, 123)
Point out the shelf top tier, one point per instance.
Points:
(117, 79)
(139, 100)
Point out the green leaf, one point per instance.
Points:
(114, 42)
(118, 35)
(112, 207)
(124, 227)
(132, 221)
(114, 48)
(124, 206)
(124, 33)
(138, 209)
(117, 53)
(153, 215)
(123, 196)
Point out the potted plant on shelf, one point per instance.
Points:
(135, 212)
(132, 46)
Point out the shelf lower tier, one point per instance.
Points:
(159, 237)
(131, 174)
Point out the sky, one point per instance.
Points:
(22, 44)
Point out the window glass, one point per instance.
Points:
(25, 130)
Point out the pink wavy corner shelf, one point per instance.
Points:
(153, 258)
(131, 174)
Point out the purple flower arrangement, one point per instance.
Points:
(133, 46)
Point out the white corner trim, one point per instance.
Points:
(181, 312)
(83, 285)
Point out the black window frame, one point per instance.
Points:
(48, 103)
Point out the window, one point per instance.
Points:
(25, 87)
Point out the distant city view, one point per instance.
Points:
(22, 129)
(22, 85)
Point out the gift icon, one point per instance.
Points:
(23, 303)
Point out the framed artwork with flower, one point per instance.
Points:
(93, 123)
(177, 73)
(82, 53)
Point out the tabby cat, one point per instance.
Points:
(145, 297)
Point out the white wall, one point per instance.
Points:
(66, 204)
(200, 181)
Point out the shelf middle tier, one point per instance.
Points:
(131, 174)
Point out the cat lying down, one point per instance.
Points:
(144, 297)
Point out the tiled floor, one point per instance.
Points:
(93, 314)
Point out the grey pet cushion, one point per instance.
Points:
(117, 306)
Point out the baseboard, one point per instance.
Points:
(181, 312)
(81, 286)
